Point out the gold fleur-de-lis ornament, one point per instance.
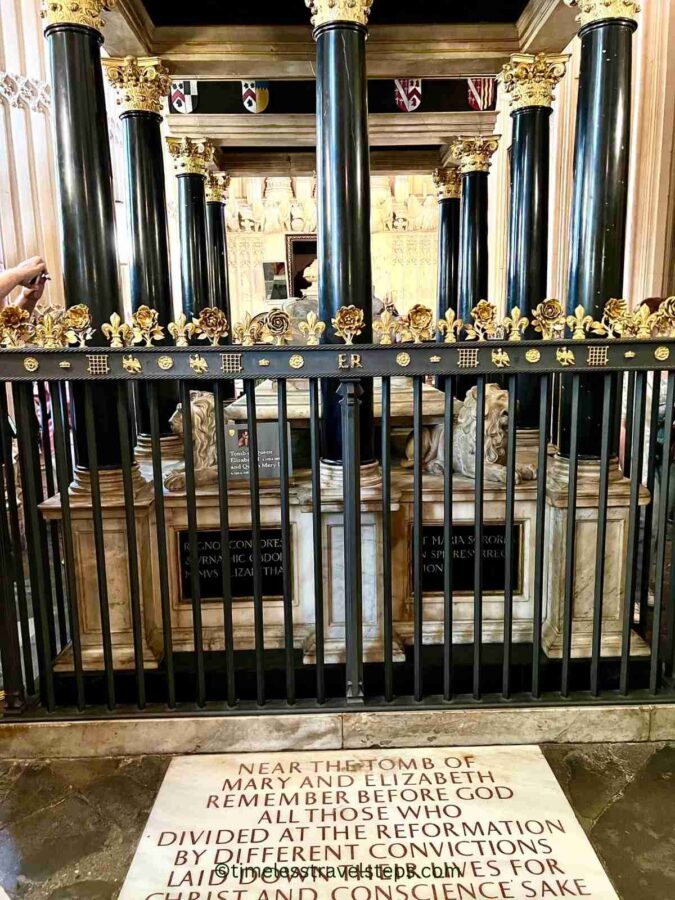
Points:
(248, 332)
(515, 325)
(450, 326)
(145, 326)
(640, 322)
(181, 330)
(211, 325)
(388, 326)
(119, 333)
(348, 323)
(579, 323)
(50, 332)
(312, 328)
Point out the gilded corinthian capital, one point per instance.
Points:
(597, 10)
(473, 154)
(141, 84)
(324, 12)
(448, 183)
(217, 184)
(191, 156)
(76, 12)
(531, 80)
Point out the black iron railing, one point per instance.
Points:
(510, 649)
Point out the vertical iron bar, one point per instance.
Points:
(62, 453)
(508, 538)
(662, 537)
(570, 537)
(287, 575)
(162, 554)
(315, 450)
(10, 650)
(448, 425)
(29, 464)
(388, 624)
(478, 539)
(637, 448)
(193, 524)
(123, 419)
(258, 611)
(540, 533)
(418, 609)
(6, 454)
(223, 503)
(601, 538)
(630, 408)
(99, 544)
(646, 542)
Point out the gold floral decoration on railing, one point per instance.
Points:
(580, 323)
(664, 318)
(248, 332)
(78, 324)
(348, 323)
(278, 325)
(613, 320)
(388, 326)
(418, 324)
(50, 332)
(450, 326)
(515, 325)
(549, 319)
(484, 326)
(640, 323)
(211, 325)
(145, 326)
(181, 330)
(119, 333)
(312, 328)
(16, 329)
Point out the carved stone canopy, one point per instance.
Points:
(597, 10)
(141, 84)
(473, 154)
(324, 12)
(76, 12)
(217, 184)
(448, 183)
(530, 80)
(191, 156)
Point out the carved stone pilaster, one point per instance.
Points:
(141, 84)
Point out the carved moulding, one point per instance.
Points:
(76, 12)
(530, 80)
(325, 12)
(141, 84)
(191, 156)
(597, 10)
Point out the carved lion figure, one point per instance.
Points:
(464, 443)
(202, 407)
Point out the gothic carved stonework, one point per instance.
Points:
(473, 154)
(141, 84)
(327, 11)
(597, 10)
(191, 156)
(448, 183)
(217, 184)
(76, 12)
(22, 92)
(530, 80)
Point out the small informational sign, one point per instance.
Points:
(237, 446)
(242, 560)
(463, 558)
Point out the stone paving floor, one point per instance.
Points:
(69, 828)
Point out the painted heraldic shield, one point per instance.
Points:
(408, 93)
(184, 96)
(255, 95)
(481, 93)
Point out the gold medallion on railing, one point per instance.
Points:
(549, 319)
(78, 325)
(388, 326)
(662, 353)
(146, 327)
(296, 361)
(613, 323)
(211, 325)
(418, 324)
(514, 324)
(278, 326)
(348, 323)
(31, 364)
(484, 315)
(580, 323)
(450, 326)
(181, 330)
(117, 332)
(165, 363)
(533, 355)
(312, 328)
(403, 359)
(16, 329)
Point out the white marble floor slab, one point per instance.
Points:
(429, 824)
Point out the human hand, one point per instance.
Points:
(30, 269)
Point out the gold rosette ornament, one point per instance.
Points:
(614, 318)
(77, 322)
(312, 328)
(549, 319)
(418, 325)
(119, 333)
(450, 326)
(15, 327)
(484, 315)
(348, 323)
(278, 326)
(211, 325)
(146, 327)
(665, 318)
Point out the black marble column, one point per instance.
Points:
(216, 239)
(84, 176)
(141, 86)
(343, 191)
(192, 157)
(599, 199)
(449, 186)
(530, 81)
